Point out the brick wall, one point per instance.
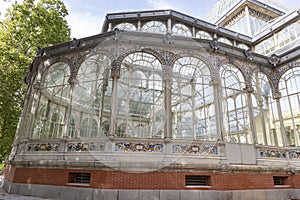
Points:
(149, 180)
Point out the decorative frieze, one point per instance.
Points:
(43, 147)
(205, 149)
(272, 153)
(138, 147)
(260, 15)
(277, 153)
(235, 19)
(91, 146)
(294, 154)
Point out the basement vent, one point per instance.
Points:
(279, 180)
(191, 180)
(79, 178)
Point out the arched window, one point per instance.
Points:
(154, 27)
(180, 29)
(235, 110)
(56, 81)
(266, 120)
(92, 95)
(225, 41)
(54, 95)
(243, 46)
(192, 98)
(140, 97)
(290, 105)
(125, 27)
(203, 35)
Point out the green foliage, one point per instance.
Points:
(1, 166)
(26, 27)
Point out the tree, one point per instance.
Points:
(26, 27)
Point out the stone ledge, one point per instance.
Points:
(149, 166)
(59, 192)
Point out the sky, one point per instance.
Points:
(87, 16)
(90, 15)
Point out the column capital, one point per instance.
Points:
(215, 82)
(249, 89)
(115, 70)
(73, 81)
(115, 74)
(37, 85)
(277, 95)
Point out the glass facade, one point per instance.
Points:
(160, 91)
(81, 107)
(168, 83)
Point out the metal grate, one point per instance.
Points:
(81, 178)
(191, 180)
(279, 180)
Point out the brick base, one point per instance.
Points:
(119, 180)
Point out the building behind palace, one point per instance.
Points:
(162, 105)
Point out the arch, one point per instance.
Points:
(265, 116)
(243, 46)
(92, 92)
(192, 93)
(182, 30)
(154, 27)
(57, 72)
(234, 104)
(69, 60)
(140, 95)
(232, 74)
(53, 95)
(125, 27)
(203, 35)
(44, 66)
(225, 41)
(290, 104)
(150, 51)
(100, 50)
(204, 59)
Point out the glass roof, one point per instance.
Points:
(223, 6)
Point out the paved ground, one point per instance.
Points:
(5, 196)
